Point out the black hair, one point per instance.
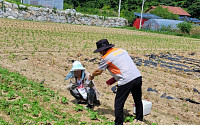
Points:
(107, 49)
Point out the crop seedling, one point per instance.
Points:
(93, 114)
(64, 100)
(129, 119)
(11, 95)
(78, 108)
(154, 124)
(83, 123)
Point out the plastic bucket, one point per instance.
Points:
(146, 107)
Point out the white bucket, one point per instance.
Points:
(146, 107)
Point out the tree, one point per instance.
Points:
(164, 13)
(194, 10)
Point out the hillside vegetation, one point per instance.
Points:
(128, 7)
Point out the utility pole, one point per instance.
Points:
(119, 8)
(141, 14)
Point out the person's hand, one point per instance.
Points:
(91, 77)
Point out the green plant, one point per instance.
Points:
(67, 6)
(64, 100)
(177, 118)
(129, 119)
(78, 108)
(164, 13)
(11, 94)
(93, 114)
(3, 122)
(195, 32)
(154, 124)
(83, 123)
(185, 27)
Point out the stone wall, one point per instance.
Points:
(14, 11)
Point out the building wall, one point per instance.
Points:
(136, 23)
(46, 3)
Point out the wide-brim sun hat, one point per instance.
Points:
(102, 45)
(77, 66)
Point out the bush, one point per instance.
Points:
(67, 6)
(129, 15)
(195, 31)
(185, 27)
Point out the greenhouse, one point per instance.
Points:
(46, 3)
(159, 24)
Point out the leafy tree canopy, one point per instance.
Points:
(164, 13)
(191, 6)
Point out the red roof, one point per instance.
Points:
(174, 10)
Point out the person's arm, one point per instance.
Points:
(95, 73)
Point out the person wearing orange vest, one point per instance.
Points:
(122, 68)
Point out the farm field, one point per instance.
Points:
(43, 51)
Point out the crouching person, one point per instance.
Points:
(83, 90)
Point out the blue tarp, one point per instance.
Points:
(158, 24)
(148, 16)
(195, 20)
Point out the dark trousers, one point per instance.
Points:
(91, 95)
(135, 87)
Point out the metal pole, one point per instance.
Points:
(141, 14)
(119, 8)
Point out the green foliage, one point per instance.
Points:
(64, 100)
(95, 11)
(154, 124)
(129, 119)
(128, 7)
(11, 94)
(164, 13)
(78, 108)
(67, 6)
(28, 107)
(93, 115)
(177, 118)
(83, 123)
(129, 15)
(185, 27)
(3, 122)
(195, 32)
(106, 7)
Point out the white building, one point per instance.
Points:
(46, 3)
